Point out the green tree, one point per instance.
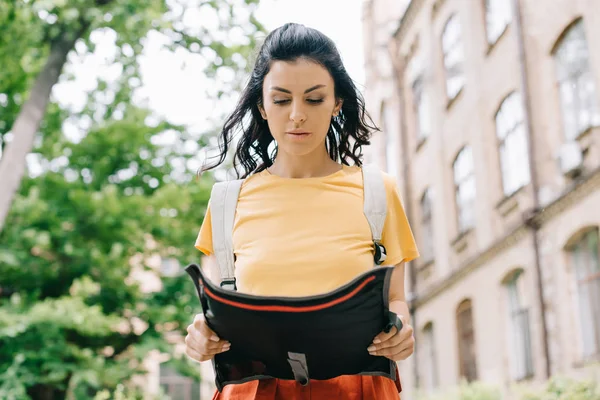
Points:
(40, 34)
(82, 239)
(76, 253)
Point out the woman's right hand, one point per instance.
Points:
(201, 343)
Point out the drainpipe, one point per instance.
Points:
(398, 75)
(524, 82)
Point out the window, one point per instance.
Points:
(514, 157)
(426, 226)
(576, 85)
(178, 387)
(464, 181)
(519, 336)
(585, 258)
(429, 360)
(453, 57)
(391, 143)
(498, 14)
(421, 109)
(466, 341)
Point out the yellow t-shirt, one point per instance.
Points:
(300, 237)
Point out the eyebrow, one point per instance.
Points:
(280, 89)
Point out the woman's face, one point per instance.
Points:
(298, 103)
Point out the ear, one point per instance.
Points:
(262, 111)
(338, 107)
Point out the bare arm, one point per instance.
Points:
(397, 294)
(396, 345)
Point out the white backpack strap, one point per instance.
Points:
(223, 202)
(375, 207)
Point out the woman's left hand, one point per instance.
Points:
(394, 345)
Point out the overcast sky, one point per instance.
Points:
(173, 84)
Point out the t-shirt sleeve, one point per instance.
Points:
(204, 239)
(397, 236)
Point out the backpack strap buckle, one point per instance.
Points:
(229, 284)
(380, 253)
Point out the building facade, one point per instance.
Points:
(490, 117)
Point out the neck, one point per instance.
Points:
(306, 166)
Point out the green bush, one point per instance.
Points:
(557, 388)
(561, 388)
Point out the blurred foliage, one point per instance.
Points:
(465, 391)
(557, 388)
(84, 297)
(562, 388)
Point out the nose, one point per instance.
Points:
(297, 115)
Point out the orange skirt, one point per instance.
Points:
(349, 387)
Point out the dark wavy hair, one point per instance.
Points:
(349, 130)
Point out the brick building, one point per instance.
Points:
(490, 112)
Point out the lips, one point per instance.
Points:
(298, 133)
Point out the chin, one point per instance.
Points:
(298, 151)
(300, 146)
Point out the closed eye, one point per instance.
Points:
(311, 101)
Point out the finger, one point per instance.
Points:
(195, 355)
(390, 351)
(200, 325)
(197, 341)
(382, 337)
(198, 336)
(404, 345)
(199, 353)
(403, 355)
(217, 350)
(405, 333)
(391, 342)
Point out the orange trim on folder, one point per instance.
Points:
(290, 308)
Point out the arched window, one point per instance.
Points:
(421, 109)
(464, 184)
(584, 254)
(428, 358)
(426, 237)
(578, 96)
(453, 57)
(466, 341)
(519, 335)
(513, 147)
(498, 14)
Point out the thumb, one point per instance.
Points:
(202, 327)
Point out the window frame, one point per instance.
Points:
(519, 328)
(517, 126)
(458, 46)
(462, 227)
(426, 206)
(430, 361)
(491, 41)
(593, 310)
(470, 373)
(570, 80)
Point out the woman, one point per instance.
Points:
(299, 228)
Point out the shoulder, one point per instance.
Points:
(391, 185)
(390, 182)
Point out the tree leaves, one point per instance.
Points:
(83, 299)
